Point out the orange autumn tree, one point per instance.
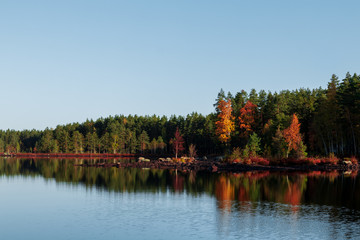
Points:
(292, 135)
(247, 118)
(224, 192)
(225, 124)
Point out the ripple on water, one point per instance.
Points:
(37, 208)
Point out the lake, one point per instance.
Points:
(53, 199)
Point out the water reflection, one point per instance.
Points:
(326, 203)
(322, 188)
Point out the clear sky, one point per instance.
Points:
(69, 60)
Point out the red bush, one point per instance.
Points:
(354, 160)
(260, 161)
(332, 159)
(313, 161)
(237, 160)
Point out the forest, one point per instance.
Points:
(297, 123)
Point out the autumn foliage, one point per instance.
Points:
(293, 195)
(177, 142)
(225, 192)
(225, 124)
(292, 134)
(247, 117)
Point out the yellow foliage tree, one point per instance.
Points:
(225, 124)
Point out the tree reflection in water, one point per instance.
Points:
(230, 189)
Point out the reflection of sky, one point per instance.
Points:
(268, 220)
(34, 208)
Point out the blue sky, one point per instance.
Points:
(66, 61)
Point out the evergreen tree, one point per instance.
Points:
(143, 141)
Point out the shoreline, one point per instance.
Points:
(210, 165)
(69, 155)
(214, 166)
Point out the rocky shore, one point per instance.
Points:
(216, 166)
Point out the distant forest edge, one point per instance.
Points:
(317, 122)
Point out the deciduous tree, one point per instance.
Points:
(225, 124)
(247, 118)
(161, 144)
(192, 151)
(153, 145)
(292, 134)
(177, 142)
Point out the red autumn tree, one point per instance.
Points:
(177, 142)
(225, 124)
(247, 118)
(292, 134)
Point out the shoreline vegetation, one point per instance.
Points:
(318, 129)
(211, 164)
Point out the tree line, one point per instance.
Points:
(119, 134)
(319, 121)
(303, 121)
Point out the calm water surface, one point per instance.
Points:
(53, 199)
